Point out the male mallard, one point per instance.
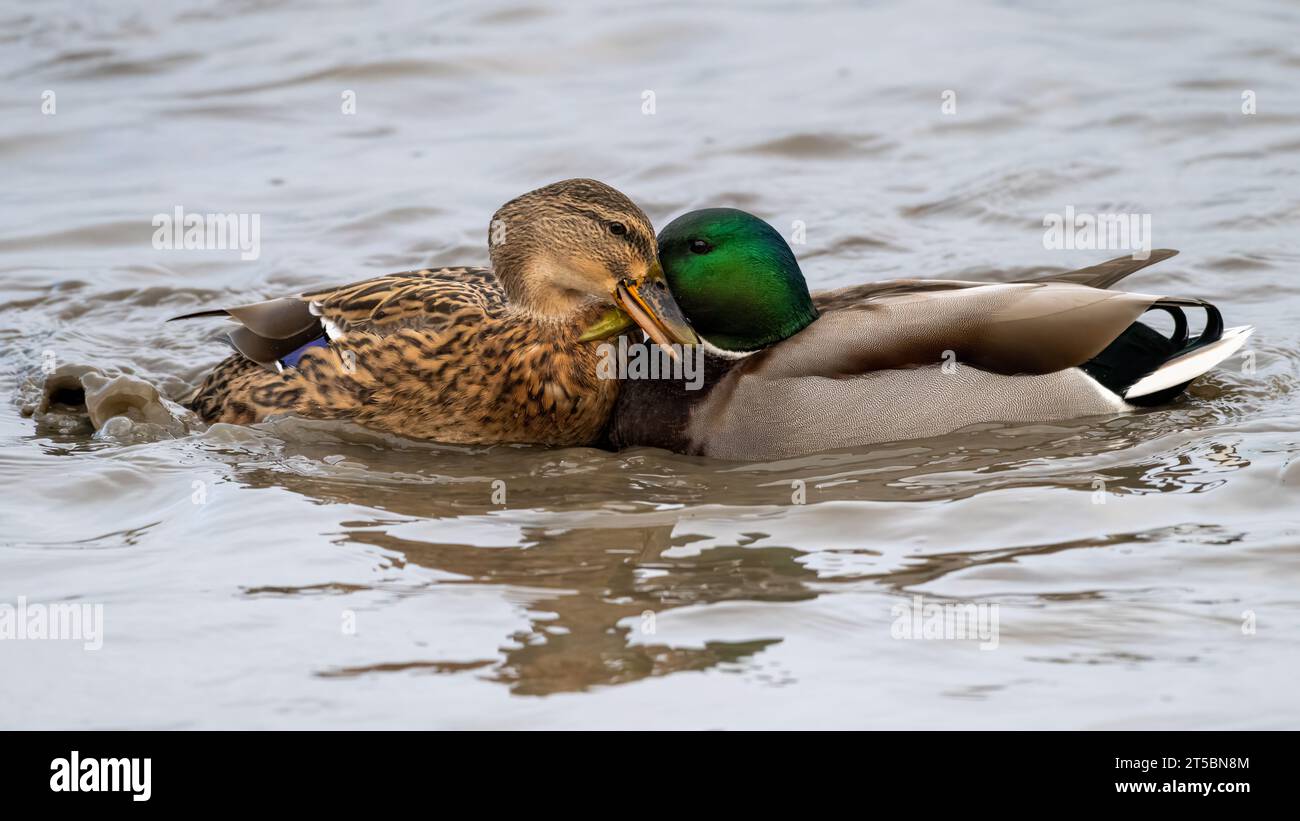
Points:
(788, 373)
(461, 355)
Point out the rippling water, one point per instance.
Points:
(299, 574)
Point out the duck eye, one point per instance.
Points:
(699, 246)
(618, 229)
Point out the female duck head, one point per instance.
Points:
(736, 278)
(570, 245)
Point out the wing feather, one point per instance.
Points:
(433, 300)
(1006, 328)
(1106, 274)
(430, 300)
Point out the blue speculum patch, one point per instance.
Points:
(291, 360)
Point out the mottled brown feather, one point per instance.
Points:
(461, 355)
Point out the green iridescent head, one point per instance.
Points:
(735, 278)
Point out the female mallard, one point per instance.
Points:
(463, 355)
(788, 373)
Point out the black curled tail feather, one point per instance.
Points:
(1141, 349)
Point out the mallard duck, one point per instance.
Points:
(788, 372)
(461, 355)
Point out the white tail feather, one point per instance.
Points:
(1187, 367)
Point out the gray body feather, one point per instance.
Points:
(908, 359)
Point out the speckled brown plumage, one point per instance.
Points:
(457, 355)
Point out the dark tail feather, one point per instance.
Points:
(1141, 350)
